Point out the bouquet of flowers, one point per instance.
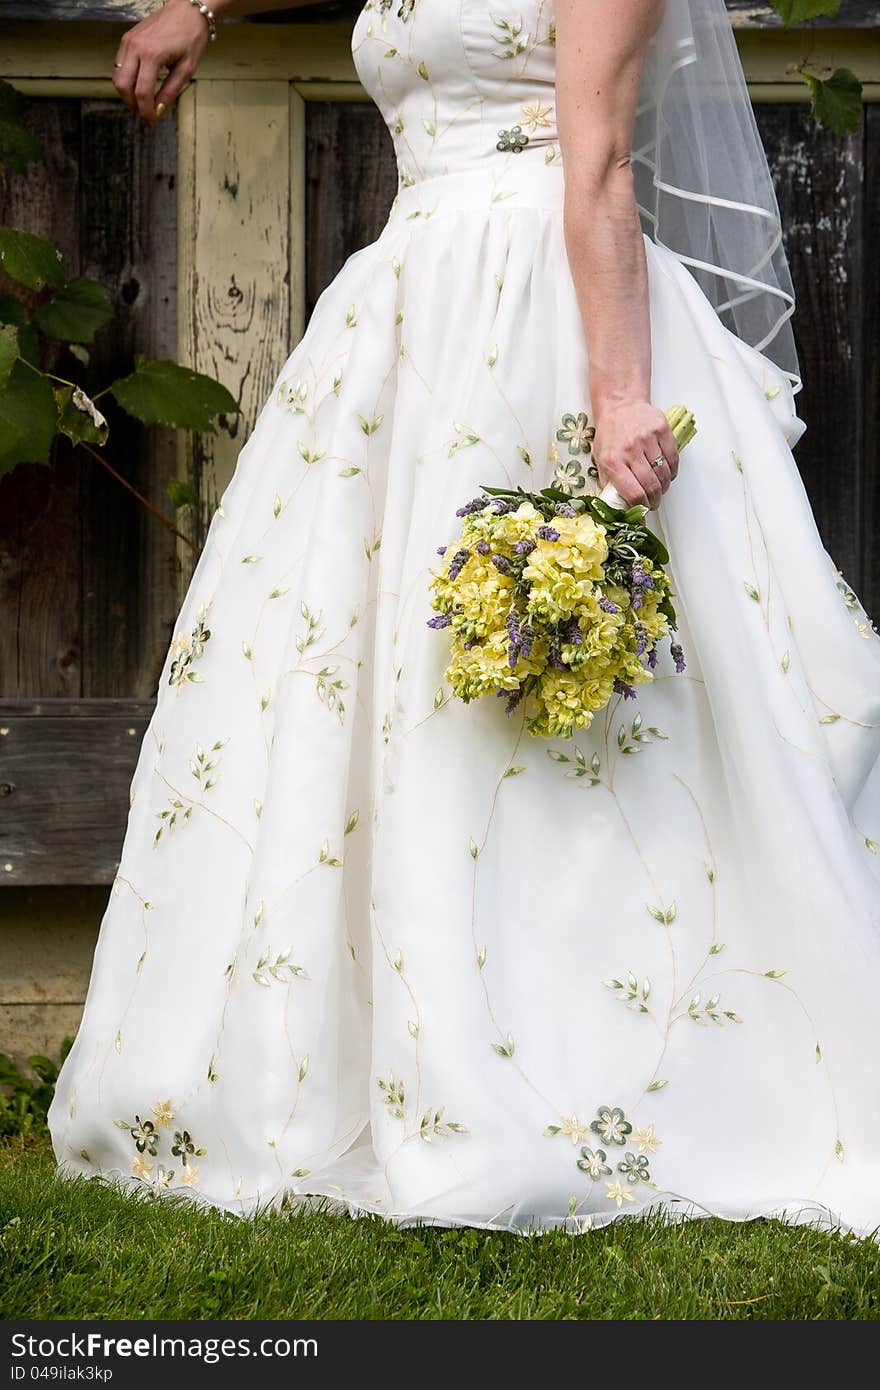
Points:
(556, 600)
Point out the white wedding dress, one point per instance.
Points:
(371, 945)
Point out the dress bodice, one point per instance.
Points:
(461, 82)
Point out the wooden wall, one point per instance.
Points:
(87, 580)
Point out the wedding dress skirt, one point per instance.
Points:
(371, 945)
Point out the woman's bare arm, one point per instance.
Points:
(600, 52)
(174, 37)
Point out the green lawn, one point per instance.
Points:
(78, 1250)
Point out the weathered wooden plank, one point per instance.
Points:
(65, 777)
(348, 146)
(259, 51)
(128, 238)
(39, 513)
(86, 708)
(39, 578)
(297, 218)
(320, 53)
(746, 13)
(869, 590)
(234, 256)
(819, 182)
(301, 11)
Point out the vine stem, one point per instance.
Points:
(144, 501)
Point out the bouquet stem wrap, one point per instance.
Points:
(683, 427)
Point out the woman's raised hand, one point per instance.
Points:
(175, 38)
(632, 437)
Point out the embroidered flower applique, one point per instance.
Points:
(512, 141)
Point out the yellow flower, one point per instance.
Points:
(578, 1134)
(141, 1168)
(535, 115)
(164, 1113)
(619, 1193)
(647, 1140)
(190, 1176)
(568, 701)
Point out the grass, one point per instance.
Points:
(80, 1250)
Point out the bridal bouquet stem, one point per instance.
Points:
(555, 602)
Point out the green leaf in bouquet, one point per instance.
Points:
(27, 418)
(75, 313)
(31, 260)
(79, 417)
(18, 148)
(652, 546)
(836, 100)
(667, 608)
(8, 352)
(164, 393)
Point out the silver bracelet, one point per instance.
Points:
(208, 16)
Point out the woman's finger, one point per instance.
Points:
(626, 483)
(650, 483)
(174, 83)
(125, 75)
(145, 88)
(662, 471)
(669, 448)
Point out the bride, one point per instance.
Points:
(371, 946)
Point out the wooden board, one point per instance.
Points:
(853, 13)
(347, 146)
(318, 53)
(87, 579)
(819, 180)
(234, 262)
(304, 12)
(128, 236)
(869, 400)
(65, 776)
(40, 538)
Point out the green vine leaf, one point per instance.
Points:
(78, 417)
(8, 352)
(836, 100)
(798, 11)
(75, 313)
(18, 148)
(182, 494)
(164, 393)
(28, 418)
(31, 260)
(14, 313)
